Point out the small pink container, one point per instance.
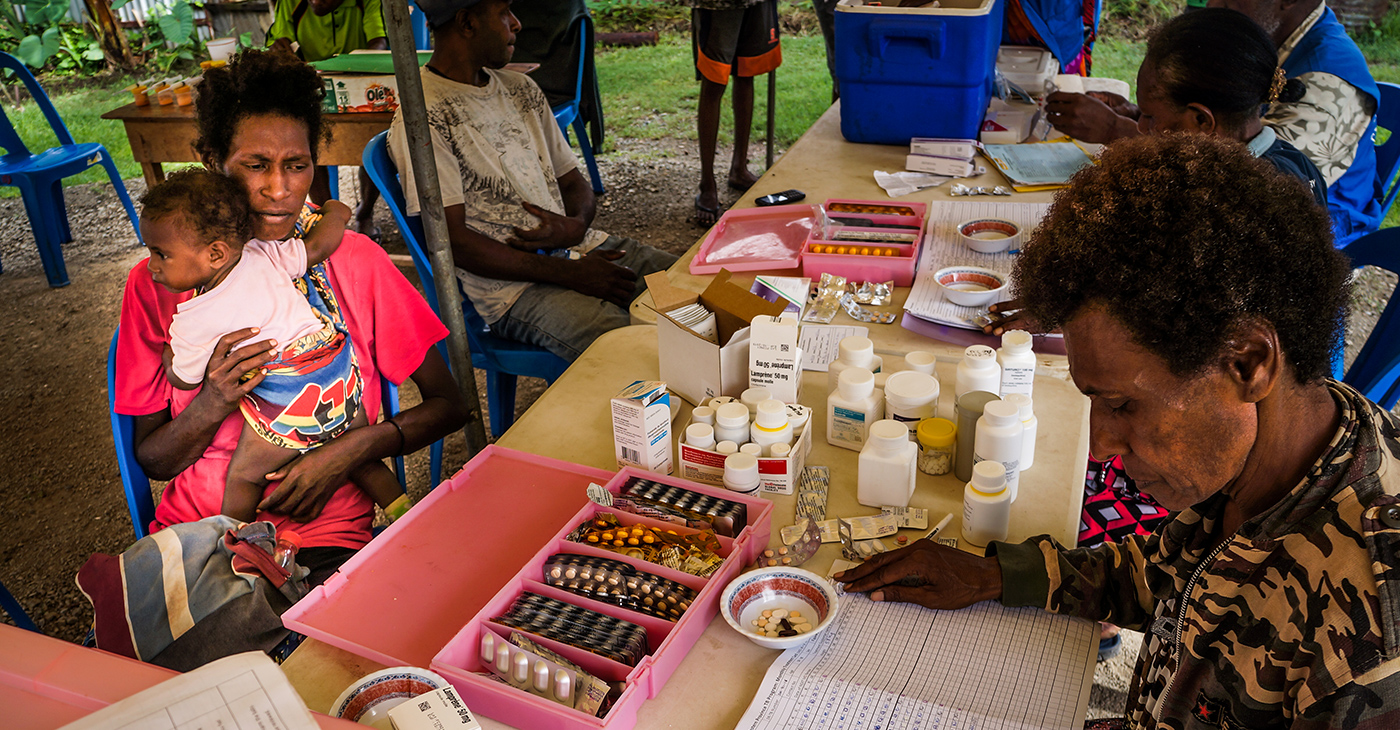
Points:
(423, 591)
(756, 239)
(857, 267)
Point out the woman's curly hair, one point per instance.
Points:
(256, 83)
(211, 203)
(1184, 238)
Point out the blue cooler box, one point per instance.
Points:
(915, 72)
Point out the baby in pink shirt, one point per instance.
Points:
(198, 229)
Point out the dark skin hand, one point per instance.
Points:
(167, 447)
(1087, 118)
(1010, 315)
(310, 480)
(595, 274)
(560, 231)
(926, 573)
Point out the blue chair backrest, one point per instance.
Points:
(135, 483)
(385, 176)
(1388, 154)
(9, 138)
(1376, 371)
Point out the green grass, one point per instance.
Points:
(651, 92)
(81, 111)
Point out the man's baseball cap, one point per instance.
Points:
(438, 12)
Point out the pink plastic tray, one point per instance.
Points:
(423, 591)
(856, 267)
(756, 239)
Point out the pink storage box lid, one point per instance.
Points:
(756, 239)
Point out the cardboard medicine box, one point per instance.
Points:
(347, 92)
(692, 366)
(776, 476)
(641, 418)
(775, 360)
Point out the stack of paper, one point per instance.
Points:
(1040, 166)
(942, 247)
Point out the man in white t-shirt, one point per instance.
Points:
(518, 208)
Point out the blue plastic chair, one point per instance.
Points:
(502, 359)
(17, 614)
(1388, 154)
(567, 114)
(137, 485)
(39, 177)
(1376, 371)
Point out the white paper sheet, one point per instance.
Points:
(943, 247)
(1051, 163)
(242, 692)
(897, 666)
(821, 343)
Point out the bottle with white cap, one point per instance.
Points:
(779, 451)
(999, 434)
(887, 466)
(986, 505)
(751, 448)
(978, 371)
(910, 397)
(732, 423)
(725, 448)
(854, 352)
(1017, 362)
(920, 362)
(771, 425)
(752, 397)
(703, 414)
(700, 435)
(1030, 424)
(851, 408)
(741, 473)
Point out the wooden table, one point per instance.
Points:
(160, 134)
(718, 679)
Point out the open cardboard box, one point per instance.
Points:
(692, 366)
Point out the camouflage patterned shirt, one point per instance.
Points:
(1289, 622)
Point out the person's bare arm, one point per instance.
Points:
(310, 480)
(325, 237)
(595, 274)
(1086, 118)
(926, 573)
(378, 44)
(560, 231)
(165, 446)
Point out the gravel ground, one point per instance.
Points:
(62, 498)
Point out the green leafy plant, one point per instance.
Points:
(37, 32)
(77, 51)
(167, 38)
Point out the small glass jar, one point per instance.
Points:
(936, 438)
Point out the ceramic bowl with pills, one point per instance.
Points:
(990, 235)
(779, 608)
(971, 286)
(369, 700)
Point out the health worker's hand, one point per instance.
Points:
(926, 573)
(1087, 119)
(1010, 315)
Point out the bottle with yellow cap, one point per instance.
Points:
(937, 437)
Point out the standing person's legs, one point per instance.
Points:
(715, 36)
(757, 52)
(566, 322)
(826, 18)
(740, 178)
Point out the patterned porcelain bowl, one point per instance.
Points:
(369, 700)
(970, 286)
(766, 589)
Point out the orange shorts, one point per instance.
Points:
(739, 42)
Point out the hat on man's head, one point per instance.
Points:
(438, 12)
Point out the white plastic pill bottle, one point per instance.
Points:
(1017, 362)
(910, 397)
(986, 505)
(1029, 425)
(853, 352)
(978, 371)
(732, 423)
(851, 408)
(999, 435)
(887, 466)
